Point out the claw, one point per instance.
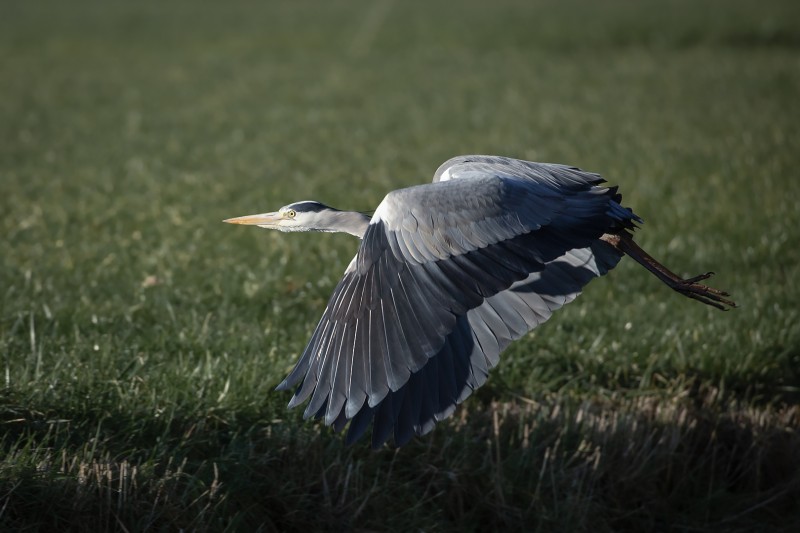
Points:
(690, 287)
(707, 295)
(701, 277)
(707, 301)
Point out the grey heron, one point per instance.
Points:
(446, 276)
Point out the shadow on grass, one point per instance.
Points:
(706, 462)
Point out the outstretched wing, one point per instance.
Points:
(447, 275)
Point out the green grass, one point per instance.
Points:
(141, 339)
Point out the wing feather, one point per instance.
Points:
(379, 383)
(428, 378)
(448, 382)
(484, 345)
(423, 322)
(357, 385)
(325, 366)
(384, 421)
(340, 378)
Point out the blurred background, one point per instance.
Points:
(141, 338)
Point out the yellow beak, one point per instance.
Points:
(264, 219)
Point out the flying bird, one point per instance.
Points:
(446, 276)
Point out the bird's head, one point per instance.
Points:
(307, 215)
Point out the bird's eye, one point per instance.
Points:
(291, 213)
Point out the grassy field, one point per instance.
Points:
(141, 339)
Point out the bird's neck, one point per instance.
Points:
(351, 222)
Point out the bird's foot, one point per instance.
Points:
(703, 293)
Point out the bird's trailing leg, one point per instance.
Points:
(623, 241)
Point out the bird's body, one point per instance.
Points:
(446, 276)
